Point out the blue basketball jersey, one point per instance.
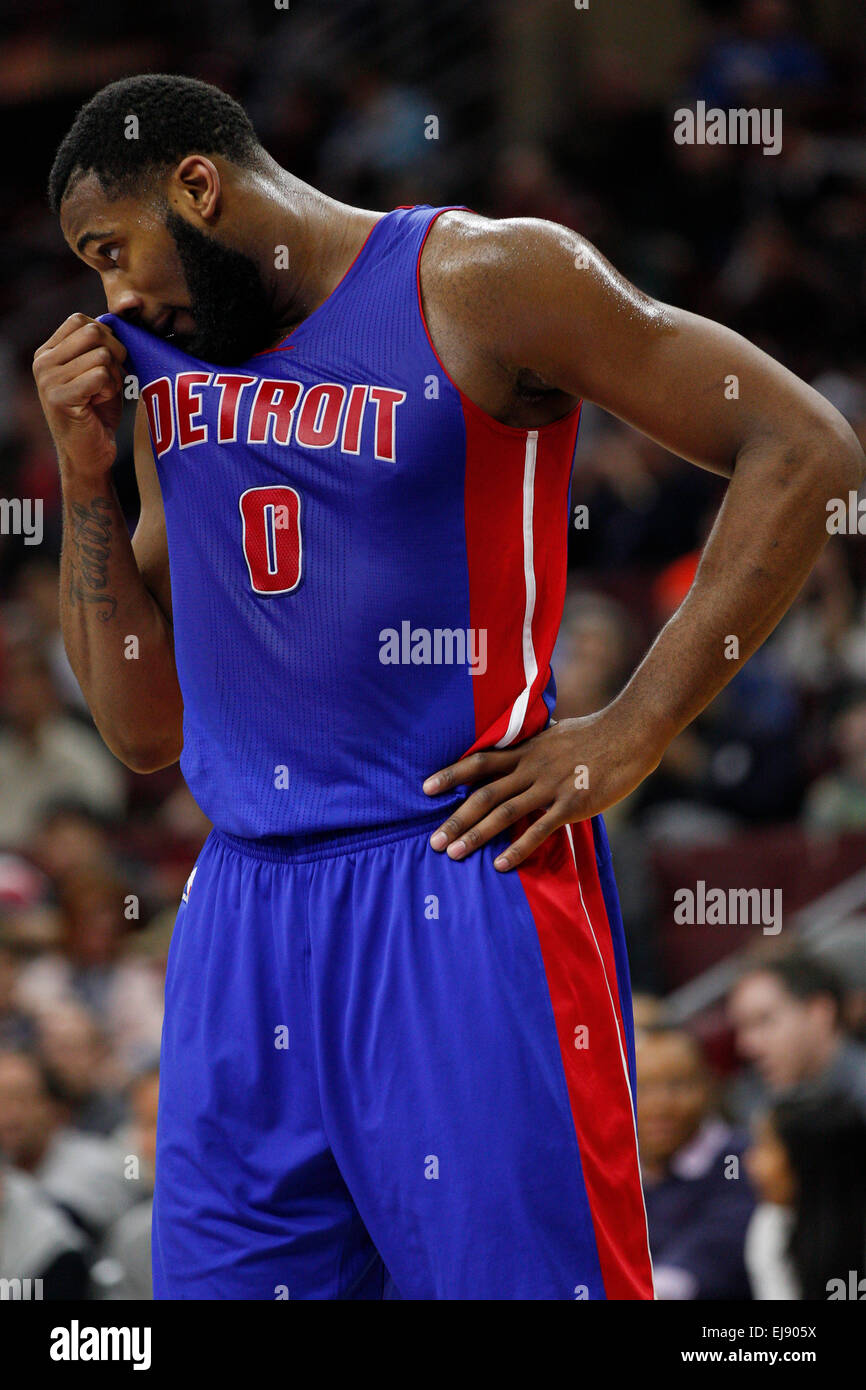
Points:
(367, 570)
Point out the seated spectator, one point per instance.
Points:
(837, 801)
(807, 1161)
(698, 1204)
(38, 1241)
(46, 755)
(123, 1270)
(595, 648)
(819, 643)
(786, 1014)
(74, 1051)
(91, 968)
(737, 761)
(37, 598)
(81, 1173)
(69, 836)
(647, 1012)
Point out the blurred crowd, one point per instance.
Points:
(754, 1185)
(753, 1154)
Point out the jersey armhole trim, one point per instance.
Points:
(512, 431)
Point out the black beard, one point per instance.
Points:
(233, 315)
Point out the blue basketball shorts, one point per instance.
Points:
(389, 1074)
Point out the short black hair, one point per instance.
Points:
(175, 115)
(804, 976)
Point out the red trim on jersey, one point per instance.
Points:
(495, 472)
(494, 500)
(493, 511)
(583, 846)
(580, 993)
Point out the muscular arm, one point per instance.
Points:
(710, 396)
(113, 589)
(530, 300)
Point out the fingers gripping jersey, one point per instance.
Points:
(367, 571)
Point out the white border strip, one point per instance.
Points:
(530, 664)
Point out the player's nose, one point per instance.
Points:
(122, 300)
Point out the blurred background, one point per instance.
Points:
(751, 1061)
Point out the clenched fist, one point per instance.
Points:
(79, 376)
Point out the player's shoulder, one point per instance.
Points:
(472, 262)
(465, 242)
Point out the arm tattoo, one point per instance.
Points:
(91, 549)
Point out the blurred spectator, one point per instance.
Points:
(38, 1240)
(647, 1012)
(733, 764)
(123, 1270)
(45, 755)
(75, 1054)
(645, 507)
(822, 642)
(763, 60)
(525, 184)
(595, 654)
(786, 1014)
(380, 133)
(807, 1161)
(837, 801)
(82, 1173)
(93, 969)
(69, 836)
(37, 599)
(698, 1206)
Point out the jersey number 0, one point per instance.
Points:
(271, 520)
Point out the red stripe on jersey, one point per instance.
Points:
(493, 503)
(584, 996)
(503, 489)
(496, 466)
(583, 849)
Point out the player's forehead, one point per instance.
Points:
(88, 211)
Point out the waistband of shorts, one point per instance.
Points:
(300, 849)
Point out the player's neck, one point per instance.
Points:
(312, 240)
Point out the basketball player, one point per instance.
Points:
(397, 1056)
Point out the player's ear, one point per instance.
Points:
(196, 182)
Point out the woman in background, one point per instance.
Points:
(807, 1236)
